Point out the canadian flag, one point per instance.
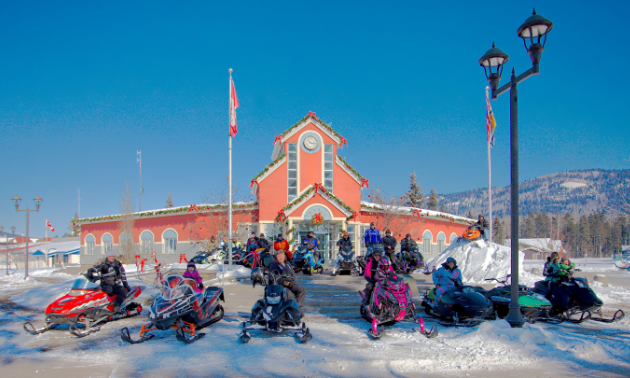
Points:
(233, 107)
(48, 225)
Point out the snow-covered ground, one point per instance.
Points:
(340, 346)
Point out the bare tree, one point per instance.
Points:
(128, 248)
(391, 214)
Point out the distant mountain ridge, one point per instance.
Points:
(577, 192)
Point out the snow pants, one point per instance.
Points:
(118, 291)
(298, 293)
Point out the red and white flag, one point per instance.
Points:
(233, 106)
(48, 225)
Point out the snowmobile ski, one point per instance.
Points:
(126, 337)
(305, 335)
(428, 334)
(245, 336)
(30, 328)
(181, 336)
(619, 315)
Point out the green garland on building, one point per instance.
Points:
(350, 168)
(327, 126)
(310, 190)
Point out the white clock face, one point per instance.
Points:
(310, 142)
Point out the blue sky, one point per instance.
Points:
(86, 84)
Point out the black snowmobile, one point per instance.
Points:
(462, 307)
(181, 307)
(347, 263)
(533, 306)
(410, 260)
(304, 261)
(574, 301)
(276, 312)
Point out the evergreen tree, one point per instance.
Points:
(529, 230)
(169, 200)
(75, 229)
(442, 208)
(469, 215)
(414, 197)
(432, 202)
(497, 231)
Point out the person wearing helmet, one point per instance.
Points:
(113, 278)
(483, 224)
(447, 278)
(372, 237)
(286, 277)
(370, 275)
(389, 244)
(384, 269)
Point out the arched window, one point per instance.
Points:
(108, 242)
(89, 244)
(169, 238)
(146, 242)
(453, 238)
(426, 242)
(441, 240)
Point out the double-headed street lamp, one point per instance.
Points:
(38, 201)
(534, 33)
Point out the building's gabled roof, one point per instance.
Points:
(351, 171)
(326, 128)
(266, 172)
(310, 193)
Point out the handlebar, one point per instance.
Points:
(504, 282)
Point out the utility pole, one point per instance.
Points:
(139, 160)
(79, 209)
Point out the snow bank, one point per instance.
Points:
(478, 260)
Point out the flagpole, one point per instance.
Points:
(229, 176)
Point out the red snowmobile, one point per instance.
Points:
(84, 307)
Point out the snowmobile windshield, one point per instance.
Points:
(176, 287)
(82, 284)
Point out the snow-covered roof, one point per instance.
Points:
(182, 210)
(541, 244)
(418, 212)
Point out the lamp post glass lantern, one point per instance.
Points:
(534, 30)
(38, 201)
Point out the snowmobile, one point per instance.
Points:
(304, 261)
(347, 264)
(472, 233)
(181, 307)
(461, 307)
(533, 306)
(209, 257)
(84, 307)
(391, 302)
(276, 312)
(574, 301)
(258, 258)
(410, 260)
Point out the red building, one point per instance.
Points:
(306, 187)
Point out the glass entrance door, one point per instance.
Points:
(325, 234)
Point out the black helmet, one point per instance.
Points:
(258, 277)
(408, 235)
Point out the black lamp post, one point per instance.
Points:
(534, 30)
(38, 201)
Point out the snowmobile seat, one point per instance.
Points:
(543, 287)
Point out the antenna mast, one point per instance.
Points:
(139, 160)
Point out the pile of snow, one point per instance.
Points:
(478, 260)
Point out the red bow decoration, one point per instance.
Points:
(318, 185)
(343, 141)
(278, 139)
(416, 213)
(193, 207)
(365, 182)
(282, 215)
(182, 258)
(311, 114)
(453, 220)
(318, 218)
(154, 257)
(252, 183)
(354, 215)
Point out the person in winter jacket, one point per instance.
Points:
(264, 243)
(282, 244)
(389, 244)
(345, 244)
(483, 224)
(192, 273)
(286, 277)
(311, 241)
(554, 256)
(560, 271)
(407, 244)
(372, 237)
(447, 278)
(252, 243)
(113, 278)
